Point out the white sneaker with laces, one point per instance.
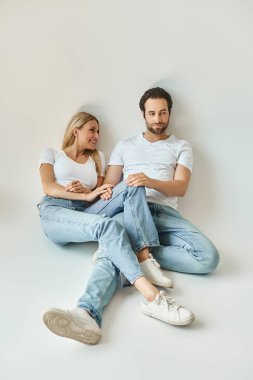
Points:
(151, 270)
(167, 310)
(75, 324)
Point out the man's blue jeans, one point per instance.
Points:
(184, 249)
(66, 221)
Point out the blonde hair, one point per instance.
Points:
(77, 121)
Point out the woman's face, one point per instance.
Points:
(87, 135)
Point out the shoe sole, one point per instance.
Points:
(173, 323)
(60, 324)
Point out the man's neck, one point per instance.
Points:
(151, 137)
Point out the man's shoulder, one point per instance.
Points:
(177, 143)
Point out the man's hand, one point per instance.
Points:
(98, 191)
(106, 195)
(139, 179)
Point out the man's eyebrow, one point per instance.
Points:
(164, 109)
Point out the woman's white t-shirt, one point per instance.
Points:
(66, 169)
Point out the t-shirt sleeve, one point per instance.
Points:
(47, 157)
(117, 155)
(185, 156)
(103, 163)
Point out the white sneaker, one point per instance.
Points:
(75, 324)
(151, 270)
(167, 310)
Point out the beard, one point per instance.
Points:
(156, 130)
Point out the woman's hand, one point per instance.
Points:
(77, 187)
(98, 191)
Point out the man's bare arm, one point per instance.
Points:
(175, 187)
(114, 173)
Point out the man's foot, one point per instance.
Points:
(75, 324)
(167, 310)
(151, 270)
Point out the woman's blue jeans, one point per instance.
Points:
(66, 221)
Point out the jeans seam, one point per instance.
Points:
(143, 242)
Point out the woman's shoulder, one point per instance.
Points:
(49, 155)
(49, 150)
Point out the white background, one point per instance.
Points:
(59, 57)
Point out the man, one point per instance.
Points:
(163, 164)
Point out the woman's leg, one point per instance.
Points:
(63, 225)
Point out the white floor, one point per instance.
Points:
(35, 275)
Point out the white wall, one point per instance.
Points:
(59, 56)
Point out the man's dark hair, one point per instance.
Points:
(155, 93)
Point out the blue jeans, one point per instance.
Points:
(66, 221)
(184, 249)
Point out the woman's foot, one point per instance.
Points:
(75, 324)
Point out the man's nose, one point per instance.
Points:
(157, 118)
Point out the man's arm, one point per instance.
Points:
(175, 187)
(114, 173)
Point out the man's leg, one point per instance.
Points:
(183, 247)
(138, 221)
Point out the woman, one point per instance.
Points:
(72, 180)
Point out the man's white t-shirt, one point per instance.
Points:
(157, 160)
(66, 169)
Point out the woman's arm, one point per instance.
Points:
(53, 189)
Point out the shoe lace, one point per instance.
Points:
(156, 264)
(165, 299)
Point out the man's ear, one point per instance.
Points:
(143, 114)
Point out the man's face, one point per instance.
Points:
(156, 115)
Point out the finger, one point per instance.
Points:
(106, 196)
(137, 183)
(131, 181)
(107, 186)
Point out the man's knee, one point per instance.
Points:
(211, 260)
